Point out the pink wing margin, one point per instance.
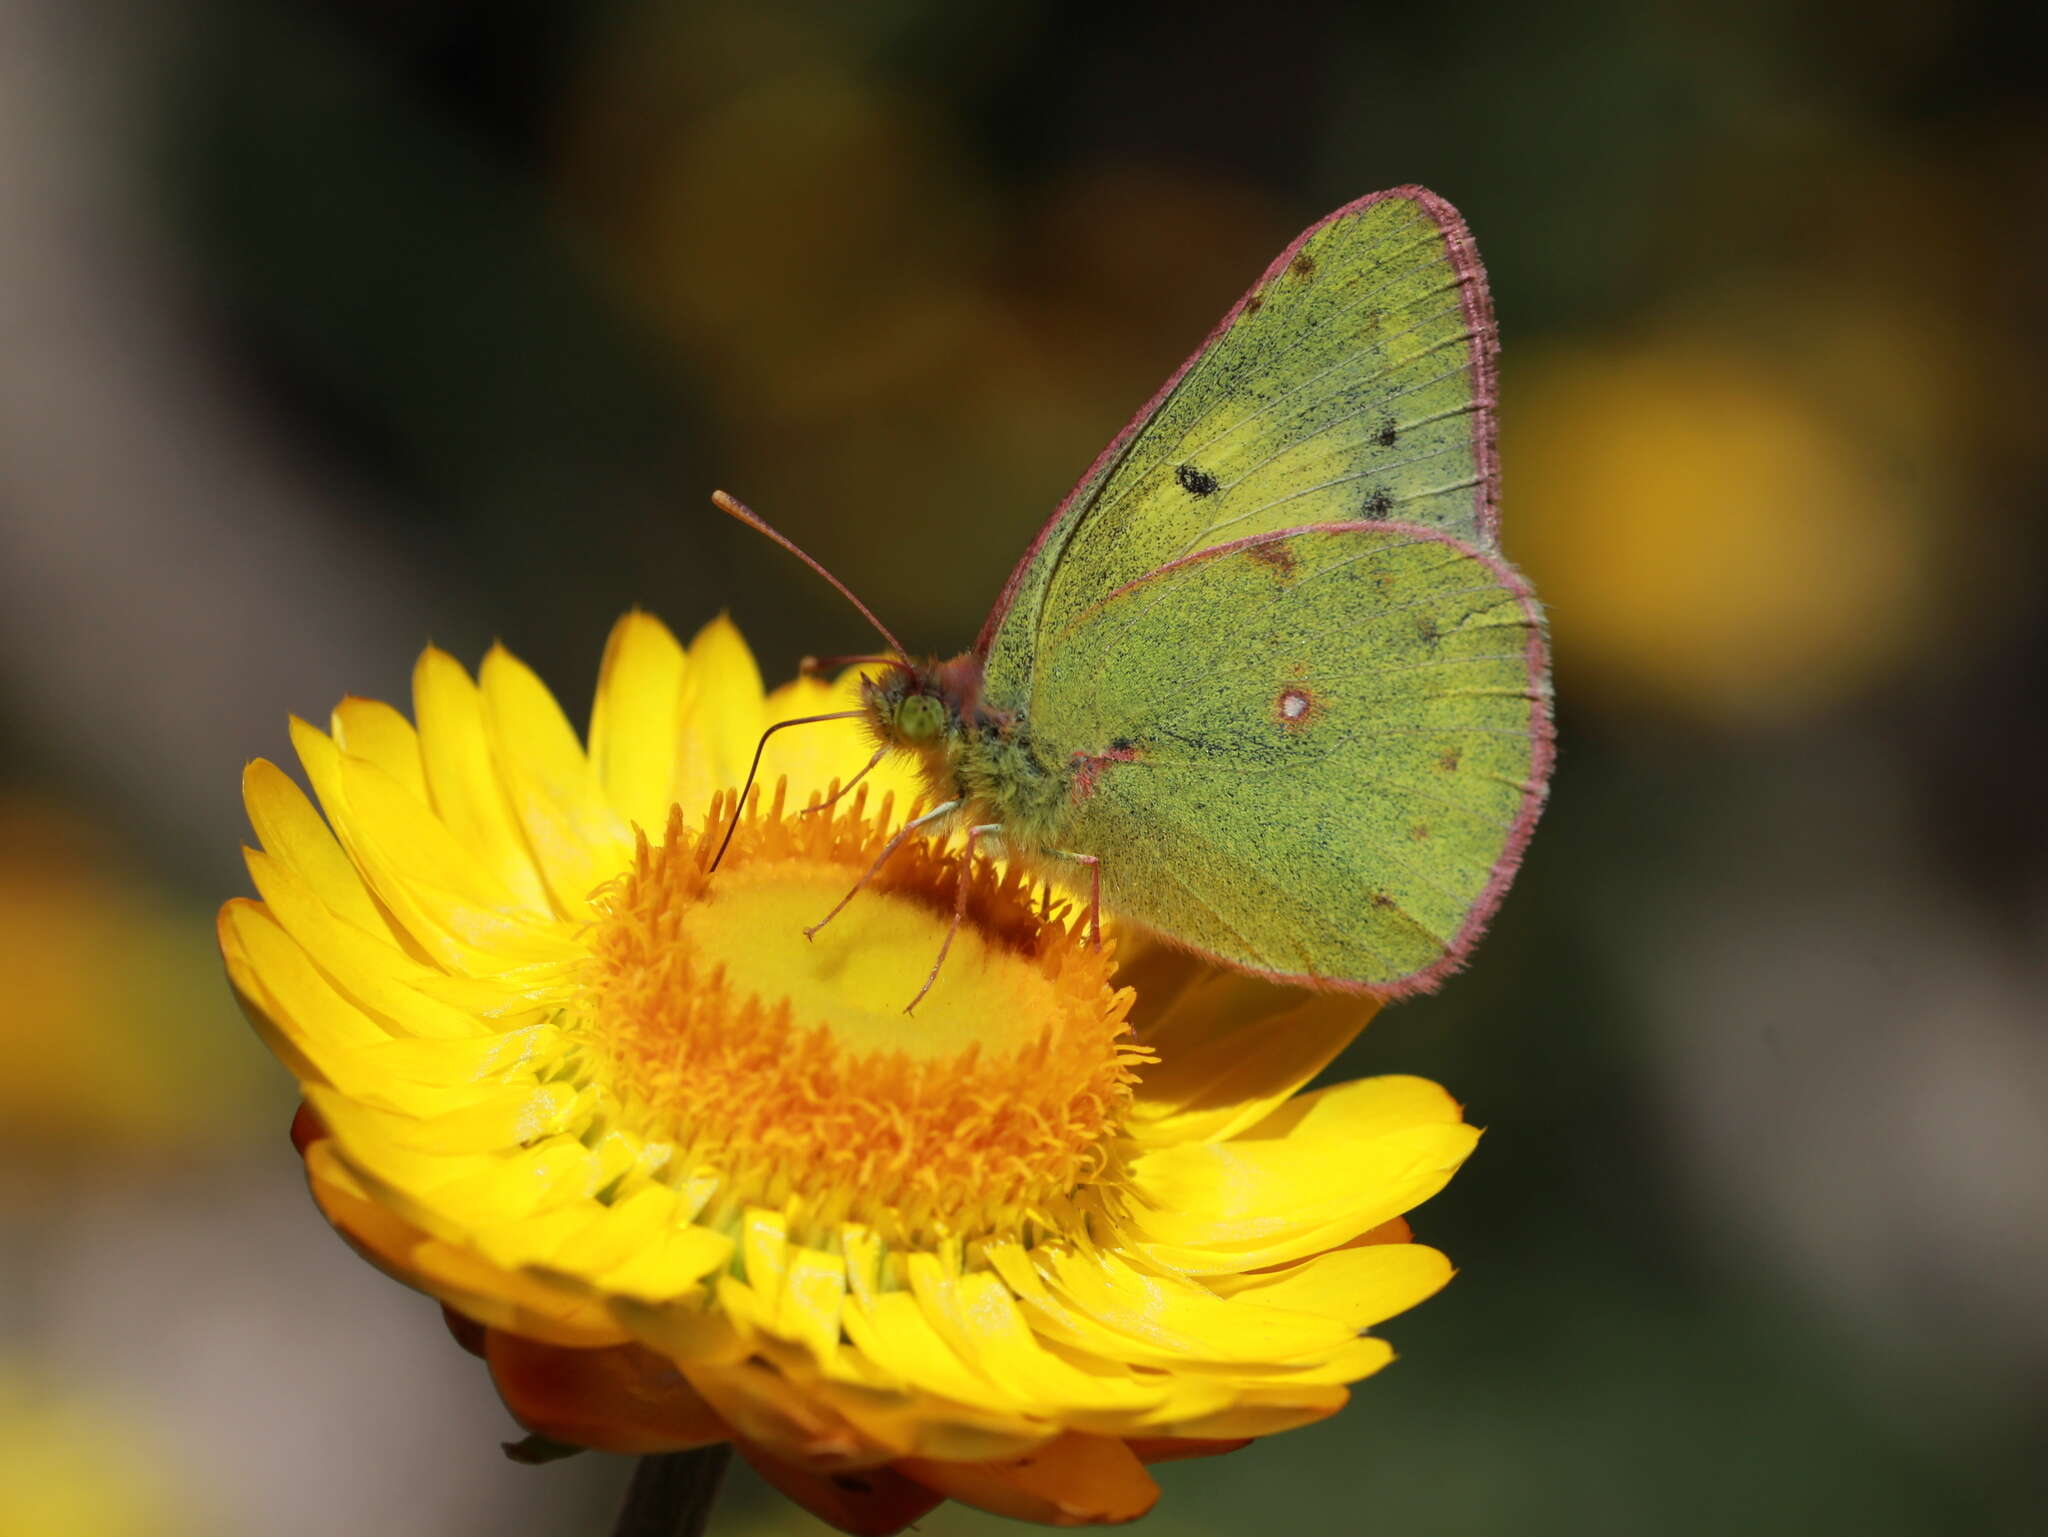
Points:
(1478, 306)
(1542, 757)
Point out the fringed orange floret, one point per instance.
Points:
(798, 1077)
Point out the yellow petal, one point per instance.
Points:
(478, 1059)
(370, 728)
(536, 1243)
(574, 834)
(322, 915)
(634, 723)
(292, 832)
(565, 1242)
(664, 1270)
(1222, 1208)
(413, 859)
(894, 1333)
(995, 1336)
(462, 777)
(683, 1329)
(813, 1292)
(863, 1251)
(523, 1184)
(258, 1006)
(917, 1424)
(1362, 1286)
(366, 968)
(1265, 1411)
(764, 1252)
(1051, 1315)
(719, 716)
(267, 962)
(1365, 1107)
(1227, 1058)
(503, 1118)
(1164, 1318)
(1346, 1364)
(463, 1280)
(451, 1194)
(403, 834)
(416, 924)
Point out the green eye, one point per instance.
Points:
(920, 717)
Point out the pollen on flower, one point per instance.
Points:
(788, 1066)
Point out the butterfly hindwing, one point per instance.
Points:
(1314, 754)
(1355, 381)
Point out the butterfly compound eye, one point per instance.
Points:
(920, 718)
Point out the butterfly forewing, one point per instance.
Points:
(1314, 754)
(1354, 382)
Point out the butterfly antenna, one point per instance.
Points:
(814, 666)
(738, 509)
(754, 768)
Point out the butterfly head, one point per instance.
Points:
(907, 708)
(929, 710)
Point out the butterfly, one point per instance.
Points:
(1264, 679)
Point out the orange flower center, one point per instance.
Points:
(788, 1065)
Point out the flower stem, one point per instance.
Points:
(671, 1494)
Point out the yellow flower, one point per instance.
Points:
(681, 1175)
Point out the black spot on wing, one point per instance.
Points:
(1194, 481)
(1388, 434)
(1303, 265)
(1379, 504)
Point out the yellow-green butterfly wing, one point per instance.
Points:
(1313, 754)
(1303, 701)
(1355, 380)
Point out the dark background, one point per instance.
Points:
(327, 329)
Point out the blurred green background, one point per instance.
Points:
(329, 328)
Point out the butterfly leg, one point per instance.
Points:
(974, 834)
(937, 813)
(880, 754)
(1094, 864)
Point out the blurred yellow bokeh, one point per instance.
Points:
(1711, 533)
(116, 1038)
(76, 1468)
